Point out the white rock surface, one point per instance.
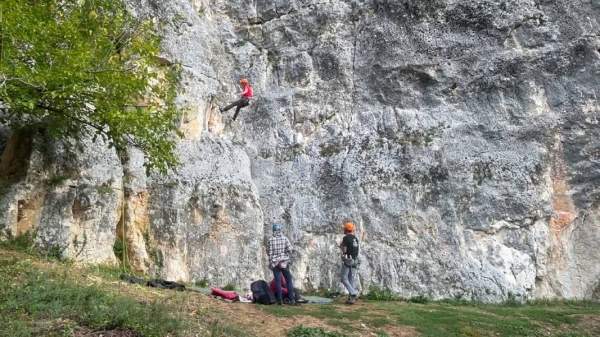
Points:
(461, 136)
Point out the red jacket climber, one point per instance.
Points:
(244, 101)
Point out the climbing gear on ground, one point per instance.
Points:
(225, 294)
(261, 292)
(162, 284)
(155, 283)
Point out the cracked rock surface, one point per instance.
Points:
(461, 136)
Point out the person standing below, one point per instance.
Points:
(349, 247)
(246, 96)
(279, 250)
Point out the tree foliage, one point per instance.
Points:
(73, 67)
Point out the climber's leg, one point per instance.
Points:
(243, 103)
(236, 103)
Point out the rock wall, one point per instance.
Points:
(461, 136)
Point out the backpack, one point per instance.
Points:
(261, 293)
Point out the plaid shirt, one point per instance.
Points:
(279, 249)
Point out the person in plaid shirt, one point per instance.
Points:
(279, 250)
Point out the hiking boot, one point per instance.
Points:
(293, 302)
(279, 302)
(351, 299)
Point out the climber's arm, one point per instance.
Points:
(245, 91)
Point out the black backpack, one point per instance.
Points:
(261, 292)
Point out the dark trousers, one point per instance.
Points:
(277, 273)
(240, 103)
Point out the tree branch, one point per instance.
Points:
(77, 119)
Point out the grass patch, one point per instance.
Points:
(108, 271)
(458, 318)
(329, 314)
(30, 296)
(302, 331)
(444, 319)
(217, 329)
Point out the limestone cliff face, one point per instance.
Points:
(461, 136)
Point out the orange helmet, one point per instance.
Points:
(244, 81)
(348, 227)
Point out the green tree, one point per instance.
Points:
(77, 66)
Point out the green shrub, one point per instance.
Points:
(22, 243)
(57, 180)
(419, 299)
(381, 294)
(55, 252)
(120, 251)
(203, 283)
(512, 301)
(104, 189)
(229, 286)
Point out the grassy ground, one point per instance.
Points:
(42, 297)
(556, 319)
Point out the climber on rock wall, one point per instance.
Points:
(246, 96)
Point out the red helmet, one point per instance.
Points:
(348, 227)
(244, 81)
